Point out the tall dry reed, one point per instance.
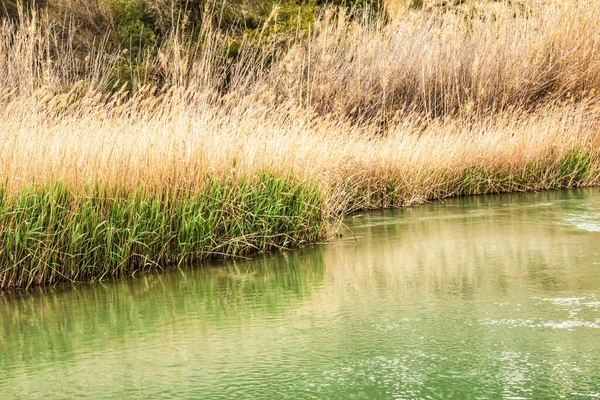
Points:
(444, 62)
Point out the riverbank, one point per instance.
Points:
(226, 159)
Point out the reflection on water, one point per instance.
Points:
(482, 297)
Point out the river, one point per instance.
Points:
(479, 297)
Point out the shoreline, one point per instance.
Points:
(131, 263)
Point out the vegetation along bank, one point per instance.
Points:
(141, 134)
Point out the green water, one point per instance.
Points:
(483, 297)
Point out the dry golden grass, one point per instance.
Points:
(431, 105)
(445, 62)
(135, 145)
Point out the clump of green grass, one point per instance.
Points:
(575, 167)
(50, 234)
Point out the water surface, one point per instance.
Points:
(481, 297)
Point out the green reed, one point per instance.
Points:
(50, 234)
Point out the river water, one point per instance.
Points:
(479, 297)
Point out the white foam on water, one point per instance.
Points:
(536, 323)
(586, 222)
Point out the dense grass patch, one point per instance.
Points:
(442, 98)
(50, 234)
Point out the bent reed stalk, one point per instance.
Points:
(227, 159)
